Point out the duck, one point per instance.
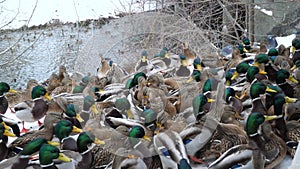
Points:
(101, 72)
(48, 153)
(116, 74)
(143, 63)
(198, 64)
(170, 148)
(62, 131)
(88, 107)
(241, 68)
(135, 139)
(10, 124)
(281, 76)
(257, 89)
(84, 144)
(184, 70)
(295, 50)
(22, 159)
(33, 110)
(293, 129)
(280, 125)
(233, 100)
(268, 145)
(188, 53)
(4, 88)
(296, 70)
(4, 134)
(14, 98)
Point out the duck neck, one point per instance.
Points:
(49, 166)
(257, 105)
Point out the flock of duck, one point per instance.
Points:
(171, 112)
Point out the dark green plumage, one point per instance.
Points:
(63, 129)
(84, 140)
(135, 134)
(254, 120)
(38, 91)
(262, 58)
(198, 103)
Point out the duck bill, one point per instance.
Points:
(129, 114)
(94, 109)
(227, 83)
(256, 64)
(12, 91)
(237, 116)
(5, 125)
(47, 96)
(268, 118)
(8, 133)
(184, 62)
(54, 143)
(146, 138)
(291, 78)
(63, 158)
(167, 56)
(210, 100)
(78, 117)
(199, 67)
(290, 100)
(98, 141)
(235, 75)
(262, 72)
(144, 59)
(270, 90)
(190, 80)
(293, 49)
(76, 129)
(293, 68)
(245, 50)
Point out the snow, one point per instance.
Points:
(286, 40)
(267, 12)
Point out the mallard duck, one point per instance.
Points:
(4, 133)
(198, 64)
(10, 123)
(62, 130)
(143, 63)
(232, 99)
(279, 100)
(184, 70)
(170, 148)
(241, 68)
(116, 73)
(72, 114)
(188, 53)
(35, 109)
(48, 153)
(4, 88)
(296, 70)
(136, 148)
(293, 135)
(23, 157)
(295, 50)
(281, 76)
(21, 95)
(268, 145)
(88, 104)
(83, 145)
(257, 89)
(101, 72)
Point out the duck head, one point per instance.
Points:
(85, 139)
(195, 76)
(183, 60)
(72, 111)
(4, 88)
(252, 71)
(240, 68)
(123, 105)
(89, 104)
(197, 64)
(48, 153)
(64, 128)
(258, 88)
(282, 75)
(136, 133)
(35, 145)
(39, 91)
(150, 117)
(144, 56)
(198, 103)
